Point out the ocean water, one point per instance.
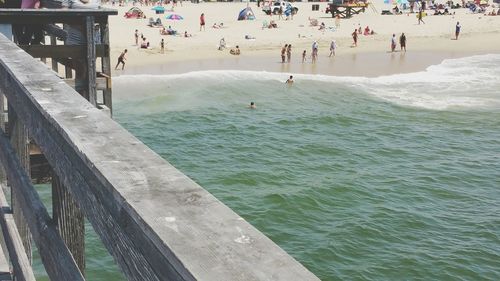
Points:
(387, 178)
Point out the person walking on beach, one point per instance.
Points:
(402, 41)
(355, 38)
(136, 35)
(457, 30)
(162, 46)
(202, 21)
(420, 15)
(393, 43)
(280, 13)
(333, 47)
(283, 53)
(121, 59)
(304, 56)
(289, 53)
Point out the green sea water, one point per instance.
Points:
(388, 178)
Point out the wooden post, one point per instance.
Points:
(106, 65)
(90, 60)
(69, 220)
(19, 139)
(54, 62)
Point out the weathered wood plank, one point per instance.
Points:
(19, 137)
(90, 83)
(17, 254)
(43, 16)
(4, 261)
(62, 51)
(55, 256)
(53, 42)
(106, 66)
(70, 221)
(156, 222)
(101, 83)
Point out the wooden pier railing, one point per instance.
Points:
(156, 222)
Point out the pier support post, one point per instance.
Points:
(106, 65)
(20, 142)
(70, 221)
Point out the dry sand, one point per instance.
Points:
(427, 44)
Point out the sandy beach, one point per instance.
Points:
(428, 43)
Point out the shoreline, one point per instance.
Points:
(365, 64)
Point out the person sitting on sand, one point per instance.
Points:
(235, 51)
(186, 35)
(144, 44)
(289, 81)
(367, 31)
(322, 26)
(272, 24)
(252, 105)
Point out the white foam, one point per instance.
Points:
(470, 82)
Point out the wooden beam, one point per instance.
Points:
(53, 42)
(70, 221)
(19, 137)
(106, 66)
(63, 51)
(55, 256)
(90, 82)
(45, 16)
(101, 83)
(17, 254)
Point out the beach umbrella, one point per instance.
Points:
(174, 17)
(158, 8)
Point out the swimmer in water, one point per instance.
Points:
(252, 105)
(290, 80)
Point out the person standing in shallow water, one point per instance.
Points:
(283, 53)
(289, 81)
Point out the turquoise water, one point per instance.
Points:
(388, 178)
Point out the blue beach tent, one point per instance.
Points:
(246, 14)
